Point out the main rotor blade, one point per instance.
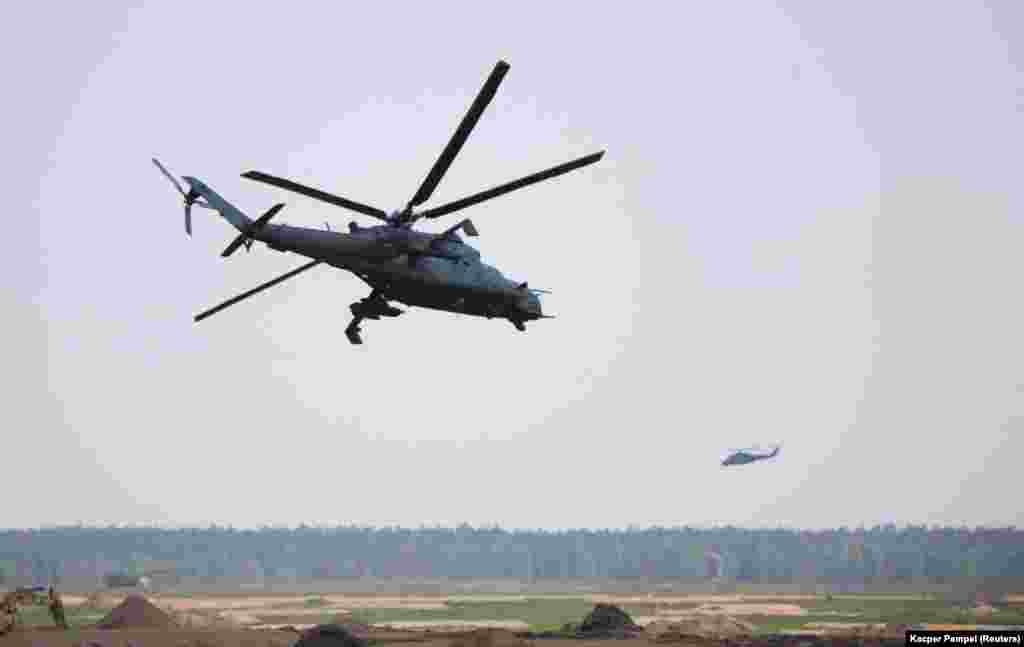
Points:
(169, 176)
(461, 133)
(265, 218)
(245, 295)
(316, 193)
(510, 186)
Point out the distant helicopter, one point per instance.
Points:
(416, 268)
(745, 456)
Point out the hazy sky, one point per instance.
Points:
(808, 229)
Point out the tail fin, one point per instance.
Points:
(227, 211)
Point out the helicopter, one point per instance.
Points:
(438, 271)
(745, 456)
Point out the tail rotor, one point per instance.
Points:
(246, 237)
(191, 197)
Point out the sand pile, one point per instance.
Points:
(201, 619)
(192, 620)
(703, 626)
(329, 636)
(488, 638)
(135, 611)
(608, 620)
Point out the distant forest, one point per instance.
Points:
(742, 554)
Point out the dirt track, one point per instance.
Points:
(330, 602)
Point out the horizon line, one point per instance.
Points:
(494, 527)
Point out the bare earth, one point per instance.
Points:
(339, 602)
(735, 610)
(695, 598)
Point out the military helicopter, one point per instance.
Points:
(745, 456)
(429, 270)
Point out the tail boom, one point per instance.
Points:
(228, 211)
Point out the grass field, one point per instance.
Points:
(39, 616)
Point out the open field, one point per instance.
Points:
(240, 619)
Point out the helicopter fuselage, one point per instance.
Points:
(741, 458)
(746, 457)
(445, 275)
(416, 268)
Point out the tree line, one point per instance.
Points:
(464, 551)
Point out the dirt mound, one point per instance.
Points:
(703, 626)
(329, 636)
(488, 638)
(135, 611)
(607, 620)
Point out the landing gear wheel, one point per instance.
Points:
(352, 332)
